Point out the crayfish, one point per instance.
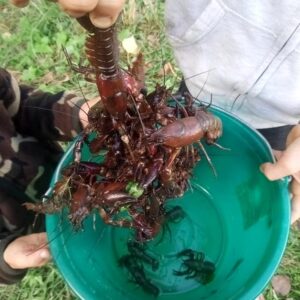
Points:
(151, 143)
(137, 272)
(195, 266)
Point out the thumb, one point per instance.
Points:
(77, 8)
(38, 258)
(274, 171)
(106, 12)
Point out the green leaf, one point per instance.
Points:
(61, 38)
(124, 34)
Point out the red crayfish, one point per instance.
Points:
(151, 144)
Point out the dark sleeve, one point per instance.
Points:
(45, 116)
(27, 117)
(276, 136)
(14, 222)
(49, 116)
(9, 275)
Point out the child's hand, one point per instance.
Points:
(103, 13)
(22, 253)
(288, 164)
(84, 109)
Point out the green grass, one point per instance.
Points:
(290, 266)
(39, 284)
(31, 43)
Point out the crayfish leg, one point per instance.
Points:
(108, 219)
(166, 173)
(221, 147)
(181, 273)
(208, 158)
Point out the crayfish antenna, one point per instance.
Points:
(77, 68)
(210, 102)
(203, 190)
(208, 159)
(80, 69)
(138, 113)
(53, 110)
(198, 74)
(203, 85)
(190, 186)
(182, 107)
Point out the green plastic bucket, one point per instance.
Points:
(239, 219)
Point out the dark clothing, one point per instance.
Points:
(276, 136)
(31, 123)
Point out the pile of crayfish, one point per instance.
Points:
(151, 143)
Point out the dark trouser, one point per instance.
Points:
(276, 136)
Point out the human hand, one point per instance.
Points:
(28, 251)
(288, 164)
(103, 13)
(84, 109)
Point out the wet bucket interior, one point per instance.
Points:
(239, 220)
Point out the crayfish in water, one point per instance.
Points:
(137, 272)
(151, 146)
(195, 266)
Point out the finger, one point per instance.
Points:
(41, 238)
(288, 164)
(34, 243)
(295, 190)
(274, 171)
(296, 176)
(37, 258)
(38, 254)
(106, 12)
(20, 3)
(36, 239)
(77, 8)
(295, 209)
(293, 135)
(18, 259)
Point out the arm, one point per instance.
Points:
(288, 164)
(49, 116)
(45, 116)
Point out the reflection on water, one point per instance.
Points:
(253, 201)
